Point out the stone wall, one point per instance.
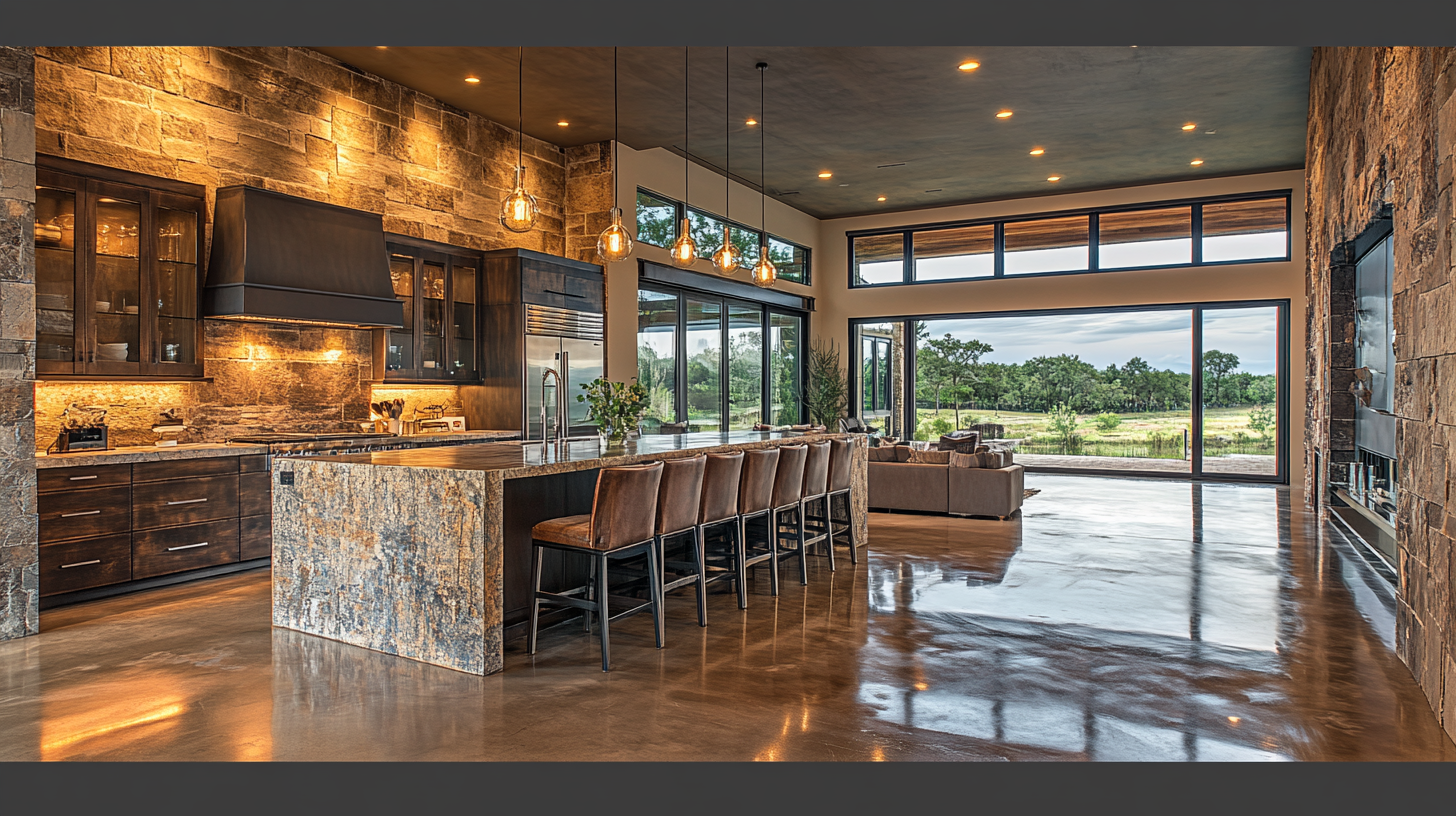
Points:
(19, 610)
(302, 123)
(589, 198)
(1382, 126)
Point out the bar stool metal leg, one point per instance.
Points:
(803, 549)
(654, 579)
(740, 552)
(701, 586)
(536, 599)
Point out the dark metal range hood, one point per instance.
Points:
(282, 258)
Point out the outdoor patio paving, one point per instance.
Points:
(1240, 464)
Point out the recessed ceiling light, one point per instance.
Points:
(381, 47)
(881, 198)
(1054, 178)
(1190, 126)
(751, 121)
(1196, 162)
(969, 65)
(1037, 151)
(1210, 132)
(844, 184)
(563, 123)
(1006, 114)
(473, 80)
(1235, 720)
(825, 174)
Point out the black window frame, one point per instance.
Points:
(907, 233)
(682, 210)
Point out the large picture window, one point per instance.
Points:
(659, 217)
(1243, 229)
(703, 359)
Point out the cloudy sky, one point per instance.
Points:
(1163, 338)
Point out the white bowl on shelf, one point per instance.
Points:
(111, 352)
(103, 306)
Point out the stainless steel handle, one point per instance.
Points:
(82, 478)
(81, 563)
(86, 513)
(187, 547)
(187, 501)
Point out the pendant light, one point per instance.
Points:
(727, 259)
(615, 243)
(764, 272)
(685, 250)
(519, 209)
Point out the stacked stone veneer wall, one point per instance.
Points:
(302, 123)
(19, 557)
(1382, 126)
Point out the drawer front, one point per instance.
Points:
(183, 468)
(546, 285)
(253, 463)
(255, 537)
(176, 549)
(255, 494)
(91, 562)
(167, 504)
(50, 480)
(84, 513)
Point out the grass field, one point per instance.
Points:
(1155, 434)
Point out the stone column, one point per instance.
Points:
(19, 554)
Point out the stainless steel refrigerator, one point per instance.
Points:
(583, 361)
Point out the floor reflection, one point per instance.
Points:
(1115, 619)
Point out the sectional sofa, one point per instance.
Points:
(965, 484)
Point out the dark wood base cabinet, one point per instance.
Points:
(112, 525)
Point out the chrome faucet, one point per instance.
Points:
(559, 432)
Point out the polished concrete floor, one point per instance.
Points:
(1115, 619)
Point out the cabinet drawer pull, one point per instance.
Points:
(81, 563)
(85, 513)
(187, 501)
(186, 547)
(82, 478)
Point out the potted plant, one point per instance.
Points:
(826, 394)
(616, 407)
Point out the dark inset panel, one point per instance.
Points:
(167, 504)
(86, 563)
(255, 537)
(253, 464)
(255, 493)
(183, 468)
(84, 513)
(49, 480)
(176, 549)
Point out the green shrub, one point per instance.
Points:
(1062, 425)
(933, 428)
(1261, 419)
(1107, 421)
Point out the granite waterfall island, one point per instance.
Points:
(426, 553)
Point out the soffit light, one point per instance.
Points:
(1054, 178)
(1196, 162)
(684, 250)
(1190, 126)
(519, 209)
(615, 243)
(751, 121)
(727, 259)
(1006, 114)
(1037, 151)
(562, 123)
(473, 80)
(881, 198)
(764, 272)
(826, 174)
(969, 65)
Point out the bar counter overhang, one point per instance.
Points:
(425, 553)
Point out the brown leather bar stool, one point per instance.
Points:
(678, 497)
(787, 490)
(620, 525)
(815, 492)
(840, 462)
(755, 500)
(719, 506)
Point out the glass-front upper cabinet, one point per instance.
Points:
(117, 274)
(440, 287)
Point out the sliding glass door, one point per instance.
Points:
(718, 364)
(1189, 390)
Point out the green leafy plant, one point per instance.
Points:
(1107, 421)
(934, 428)
(1062, 424)
(826, 392)
(1261, 419)
(616, 407)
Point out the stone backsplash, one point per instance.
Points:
(1382, 130)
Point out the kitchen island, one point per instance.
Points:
(425, 553)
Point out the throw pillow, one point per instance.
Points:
(964, 460)
(882, 454)
(902, 453)
(963, 441)
(929, 457)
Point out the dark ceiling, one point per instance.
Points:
(1107, 116)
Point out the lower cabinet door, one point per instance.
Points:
(85, 563)
(255, 537)
(176, 549)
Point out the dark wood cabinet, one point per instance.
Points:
(118, 273)
(107, 525)
(440, 287)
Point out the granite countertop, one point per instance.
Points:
(144, 453)
(520, 459)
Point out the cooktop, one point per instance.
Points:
(275, 438)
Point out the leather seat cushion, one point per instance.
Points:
(573, 530)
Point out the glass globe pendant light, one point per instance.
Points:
(615, 243)
(727, 259)
(519, 209)
(765, 274)
(684, 250)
